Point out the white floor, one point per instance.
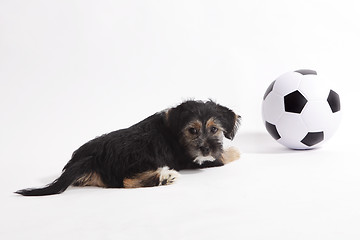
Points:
(270, 193)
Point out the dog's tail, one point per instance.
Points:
(72, 172)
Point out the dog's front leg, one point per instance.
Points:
(229, 155)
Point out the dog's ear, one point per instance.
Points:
(177, 116)
(229, 121)
(173, 119)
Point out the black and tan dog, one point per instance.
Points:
(151, 152)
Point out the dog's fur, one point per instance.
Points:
(151, 152)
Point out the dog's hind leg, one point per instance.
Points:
(159, 177)
(90, 179)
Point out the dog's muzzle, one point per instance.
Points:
(205, 150)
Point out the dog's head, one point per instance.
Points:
(200, 127)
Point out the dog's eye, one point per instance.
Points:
(193, 131)
(213, 129)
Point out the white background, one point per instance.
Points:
(72, 70)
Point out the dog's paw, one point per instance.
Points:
(230, 154)
(167, 176)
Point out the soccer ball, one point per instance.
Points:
(299, 112)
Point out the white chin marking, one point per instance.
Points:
(201, 159)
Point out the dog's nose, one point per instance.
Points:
(205, 150)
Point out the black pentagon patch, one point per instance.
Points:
(270, 88)
(294, 102)
(306, 72)
(334, 101)
(313, 138)
(272, 130)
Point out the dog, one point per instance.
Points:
(151, 152)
